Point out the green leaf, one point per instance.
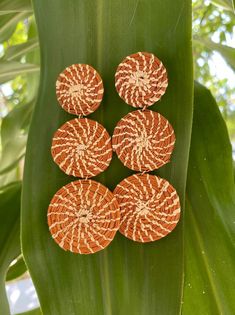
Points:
(225, 4)
(8, 24)
(209, 214)
(9, 235)
(10, 69)
(17, 51)
(32, 57)
(228, 53)
(14, 137)
(125, 278)
(16, 270)
(11, 6)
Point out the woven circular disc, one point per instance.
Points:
(141, 79)
(83, 217)
(79, 89)
(149, 205)
(143, 140)
(82, 148)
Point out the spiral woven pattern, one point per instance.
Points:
(79, 89)
(83, 217)
(141, 79)
(143, 140)
(82, 148)
(149, 205)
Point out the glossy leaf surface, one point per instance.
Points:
(209, 214)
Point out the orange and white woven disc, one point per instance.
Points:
(83, 217)
(141, 79)
(79, 89)
(143, 140)
(149, 205)
(82, 148)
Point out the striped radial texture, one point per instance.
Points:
(143, 140)
(82, 148)
(141, 79)
(149, 205)
(79, 89)
(83, 217)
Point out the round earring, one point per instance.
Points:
(149, 205)
(144, 140)
(82, 147)
(83, 216)
(141, 79)
(79, 89)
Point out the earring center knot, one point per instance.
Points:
(142, 142)
(142, 207)
(77, 90)
(84, 215)
(81, 148)
(139, 78)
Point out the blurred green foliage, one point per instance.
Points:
(18, 86)
(215, 21)
(18, 54)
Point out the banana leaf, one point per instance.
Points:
(32, 57)
(9, 235)
(209, 214)
(126, 277)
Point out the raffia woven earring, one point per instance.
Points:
(141, 79)
(83, 216)
(150, 207)
(79, 89)
(144, 140)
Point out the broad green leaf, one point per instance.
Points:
(16, 270)
(225, 4)
(209, 214)
(10, 69)
(17, 51)
(13, 136)
(10, 6)
(228, 53)
(34, 58)
(9, 235)
(8, 24)
(125, 278)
